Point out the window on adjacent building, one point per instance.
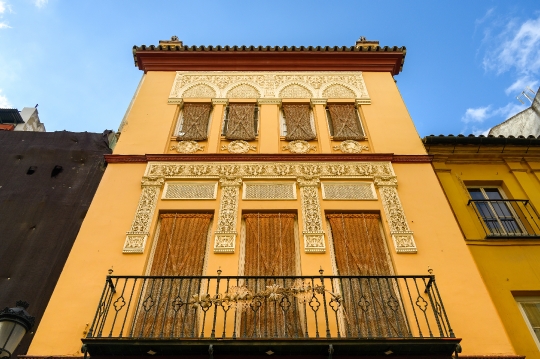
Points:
(297, 122)
(530, 309)
(193, 122)
(241, 122)
(344, 122)
(498, 214)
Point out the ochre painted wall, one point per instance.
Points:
(148, 129)
(509, 267)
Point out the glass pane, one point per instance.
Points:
(532, 311)
(476, 193)
(493, 193)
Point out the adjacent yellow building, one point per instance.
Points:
(492, 184)
(270, 201)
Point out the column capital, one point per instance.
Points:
(152, 181)
(362, 101)
(220, 101)
(319, 101)
(269, 101)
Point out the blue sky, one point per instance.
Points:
(466, 60)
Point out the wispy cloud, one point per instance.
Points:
(3, 8)
(40, 3)
(511, 46)
(4, 103)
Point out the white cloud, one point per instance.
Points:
(2, 7)
(4, 25)
(40, 3)
(478, 115)
(4, 103)
(517, 48)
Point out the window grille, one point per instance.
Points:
(226, 120)
(357, 122)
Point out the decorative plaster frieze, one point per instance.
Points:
(311, 214)
(365, 170)
(225, 236)
(402, 236)
(140, 227)
(265, 84)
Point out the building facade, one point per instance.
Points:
(47, 181)
(493, 187)
(27, 119)
(270, 201)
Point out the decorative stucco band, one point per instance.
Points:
(307, 175)
(286, 84)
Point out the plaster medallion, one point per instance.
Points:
(350, 146)
(239, 146)
(299, 146)
(187, 147)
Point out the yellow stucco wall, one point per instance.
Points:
(148, 129)
(509, 267)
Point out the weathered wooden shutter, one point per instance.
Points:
(298, 120)
(241, 122)
(270, 251)
(180, 251)
(345, 122)
(371, 306)
(195, 125)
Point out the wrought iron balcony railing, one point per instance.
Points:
(507, 218)
(302, 310)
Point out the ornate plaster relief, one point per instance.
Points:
(264, 84)
(308, 176)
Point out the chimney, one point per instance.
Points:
(363, 43)
(173, 42)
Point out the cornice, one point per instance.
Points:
(158, 59)
(219, 157)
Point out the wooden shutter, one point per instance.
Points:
(195, 125)
(180, 251)
(345, 122)
(270, 251)
(298, 120)
(371, 306)
(241, 122)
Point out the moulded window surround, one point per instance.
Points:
(331, 128)
(225, 121)
(283, 123)
(530, 309)
(500, 218)
(180, 123)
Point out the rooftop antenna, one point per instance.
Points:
(525, 93)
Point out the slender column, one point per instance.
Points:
(140, 228)
(311, 213)
(215, 124)
(269, 125)
(402, 236)
(323, 135)
(225, 236)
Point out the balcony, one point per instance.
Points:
(246, 316)
(507, 218)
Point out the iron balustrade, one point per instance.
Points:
(242, 307)
(507, 218)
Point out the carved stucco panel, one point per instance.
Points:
(225, 236)
(239, 84)
(311, 214)
(140, 227)
(402, 236)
